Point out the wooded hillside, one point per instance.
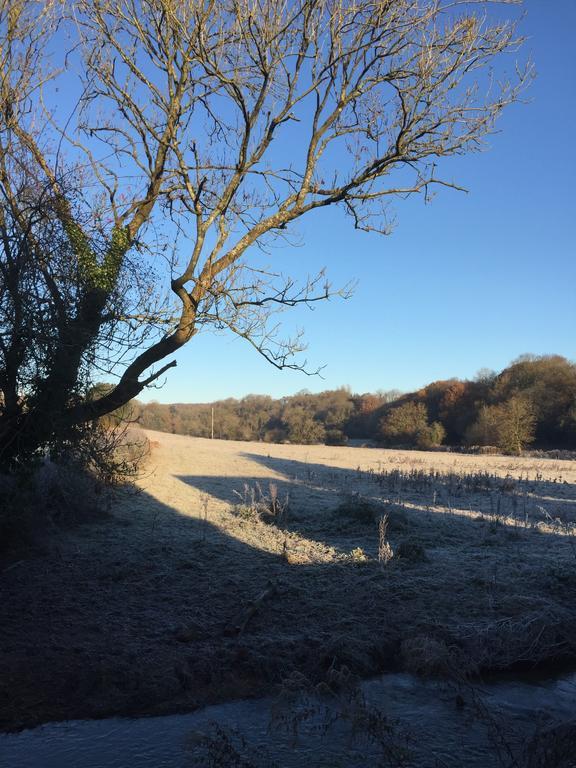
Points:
(531, 403)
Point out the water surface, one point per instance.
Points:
(397, 719)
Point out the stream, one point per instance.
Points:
(394, 720)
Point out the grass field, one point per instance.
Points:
(239, 567)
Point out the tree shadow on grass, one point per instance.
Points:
(559, 493)
(442, 510)
(133, 615)
(129, 616)
(472, 568)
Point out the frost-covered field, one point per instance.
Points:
(241, 565)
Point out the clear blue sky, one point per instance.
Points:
(469, 281)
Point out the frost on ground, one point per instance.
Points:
(239, 565)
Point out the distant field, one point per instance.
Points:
(227, 459)
(240, 565)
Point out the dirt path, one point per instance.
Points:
(240, 566)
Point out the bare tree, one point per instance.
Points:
(202, 130)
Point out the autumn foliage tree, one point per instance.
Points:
(193, 135)
(507, 411)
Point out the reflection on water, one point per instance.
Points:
(397, 720)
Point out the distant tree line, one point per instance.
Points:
(531, 403)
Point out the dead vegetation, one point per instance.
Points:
(68, 488)
(334, 719)
(254, 503)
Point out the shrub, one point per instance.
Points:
(431, 437)
(74, 484)
(51, 496)
(403, 424)
(412, 551)
(408, 425)
(302, 427)
(335, 437)
(357, 509)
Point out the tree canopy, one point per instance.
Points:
(150, 151)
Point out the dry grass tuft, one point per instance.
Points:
(268, 507)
